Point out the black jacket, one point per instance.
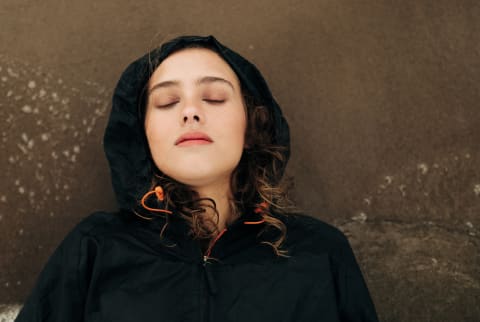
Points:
(115, 267)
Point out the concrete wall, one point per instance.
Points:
(382, 98)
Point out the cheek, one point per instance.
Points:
(236, 124)
(156, 131)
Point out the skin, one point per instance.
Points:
(195, 91)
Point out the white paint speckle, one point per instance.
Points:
(476, 189)
(32, 84)
(38, 176)
(54, 155)
(65, 101)
(31, 194)
(17, 182)
(19, 283)
(39, 165)
(73, 158)
(21, 190)
(67, 116)
(55, 96)
(9, 93)
(361, 217)
(76, 149)
(12, 73)
(4, 79)
(39, 122)
(66, 153)
(11, 159)
(24, 137)
(402, 189)
(467, 156)
(3, 198)
(66, 187)
(30, 144)
(45, 136)
(67, 198)
(423, 167)
(27, 109)
(7, 284)
(469, 224)
(367, 201)
(35, 110)
(20, 232)
(388, 179)
(42, 93)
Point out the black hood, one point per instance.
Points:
(125, 146)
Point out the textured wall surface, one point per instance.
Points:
(382, 98)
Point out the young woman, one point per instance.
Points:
(197, 148)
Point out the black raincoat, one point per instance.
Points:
(115, 267)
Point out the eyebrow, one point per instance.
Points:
(201, 80)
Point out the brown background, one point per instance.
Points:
(382, 98)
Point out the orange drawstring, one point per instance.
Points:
(261, 207)
(158, 191)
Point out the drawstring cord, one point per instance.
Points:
(158, 191)
(261, 208)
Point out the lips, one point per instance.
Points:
(193, 138)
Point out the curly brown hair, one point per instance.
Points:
(255, 182)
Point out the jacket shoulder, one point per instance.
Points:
(101, 223)
(308, 233)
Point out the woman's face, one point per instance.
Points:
(195, 118)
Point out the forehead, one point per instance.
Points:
(193, 63)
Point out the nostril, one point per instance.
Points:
(196, 118)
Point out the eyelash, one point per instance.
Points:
(210, 101)
(215, 102)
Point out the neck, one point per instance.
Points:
(220, 193)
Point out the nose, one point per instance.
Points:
(192, 113)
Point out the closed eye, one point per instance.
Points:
(167, 105)
(212, 101)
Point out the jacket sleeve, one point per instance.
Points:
(355, 303)
(60, 291)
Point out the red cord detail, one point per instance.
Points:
(209, 250)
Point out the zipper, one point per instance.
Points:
(210, 281)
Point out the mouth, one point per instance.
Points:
(193, 138)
